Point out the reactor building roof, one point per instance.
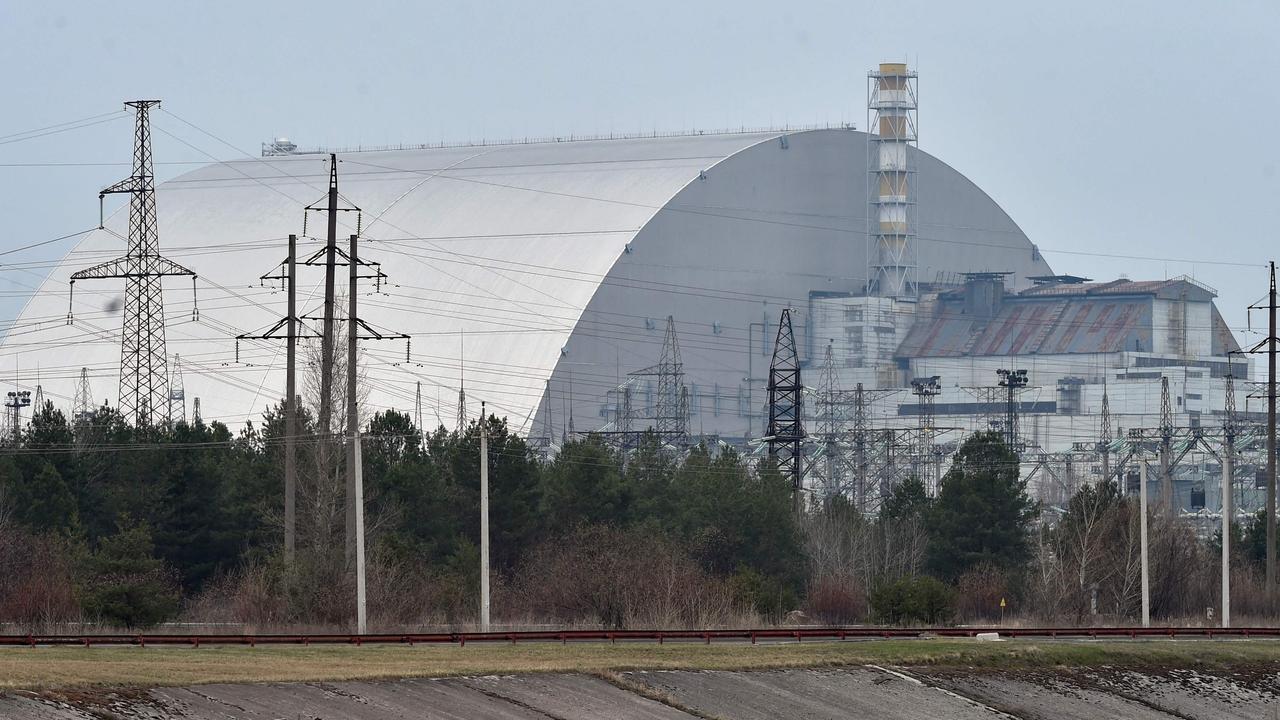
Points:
(1070, 316)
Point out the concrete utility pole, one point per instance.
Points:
(484, 521)
(355, 479)
(328, 342)
(287, 275)
(1271, 436)
(353, 414)
(1146, 578)
(361, 625)
(327, 339)
(291, 409)
(1228, 477)
(1269, 343)
(1228, 469)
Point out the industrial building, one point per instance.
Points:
(614, 284)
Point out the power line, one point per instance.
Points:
(61, 128)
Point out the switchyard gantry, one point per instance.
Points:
(1169, 443)
(669, 417)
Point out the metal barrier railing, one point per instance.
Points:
(614, 636)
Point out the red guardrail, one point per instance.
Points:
(613, 636)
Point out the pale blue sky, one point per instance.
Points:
(1144, 129)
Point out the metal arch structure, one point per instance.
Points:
(785, 434)
(144, 376)
(607, 240)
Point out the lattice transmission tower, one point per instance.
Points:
(177, 393)
(672, 416)
(82, 404)
(417, 409)
(828, 466)
(144, 376)
(785, 434)
(462, 384)
(37, 402)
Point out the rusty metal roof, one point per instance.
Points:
(1175, 287)
(1055, 325)
(1058, 317)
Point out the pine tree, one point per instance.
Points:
(983, 513)
(125, 584)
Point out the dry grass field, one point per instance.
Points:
(74, 667)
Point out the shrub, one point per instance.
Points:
(979, 592)
(836, 600)
(768, 596)
(615, 578)
(36, 586)
(914, 600)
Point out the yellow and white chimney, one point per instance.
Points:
(891, 111)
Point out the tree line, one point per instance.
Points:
(104, 522)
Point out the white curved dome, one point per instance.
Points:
(558, 261)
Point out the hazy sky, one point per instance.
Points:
(1104, 129)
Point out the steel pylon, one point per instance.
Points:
(144, 375)
(785, 433)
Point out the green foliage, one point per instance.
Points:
(734, 517)
(909, 500)
(124, 583)
(1253, 543)
(983, 513)
(769, 596)
(584, 483)
(515, 489)
(212, 501)
(913, 600)
(44, 502)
